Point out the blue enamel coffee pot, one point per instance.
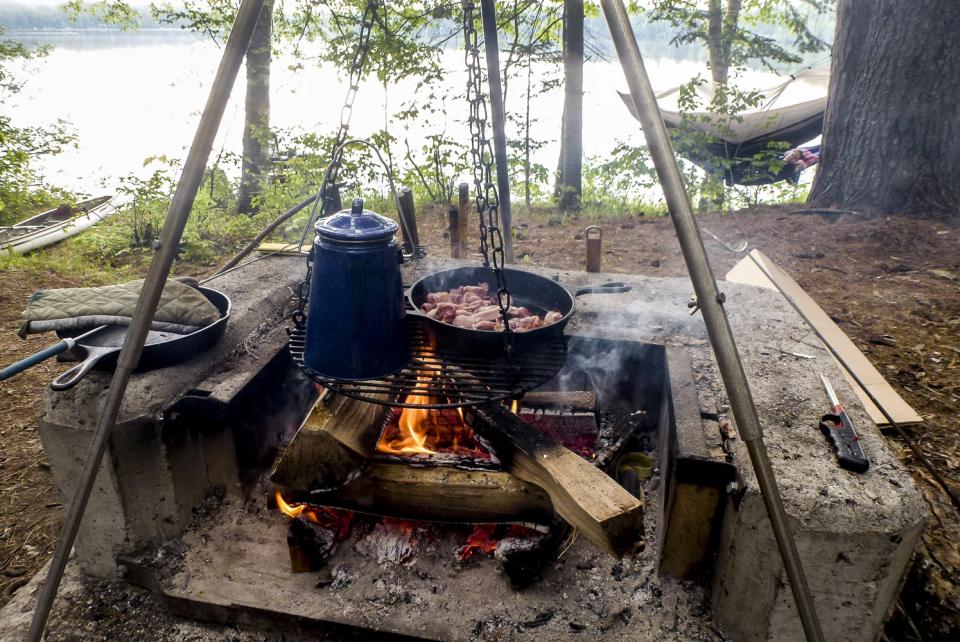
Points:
(355, 315)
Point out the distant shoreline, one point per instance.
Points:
(20, 33)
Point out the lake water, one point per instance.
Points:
(132, 96)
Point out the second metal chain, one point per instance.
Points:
(481, 152)
(330, 178)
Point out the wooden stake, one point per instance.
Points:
(464, 205)
(409, 214)
(582, 494)
(454, 228)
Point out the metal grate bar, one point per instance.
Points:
(432, 373)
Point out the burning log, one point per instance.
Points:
(326, 454)
(583, 495)
(576, 401)
(569, 418)
(437, 494)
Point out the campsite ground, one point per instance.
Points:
(892, 284)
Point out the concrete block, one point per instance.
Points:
(693, 478)
(174, 442)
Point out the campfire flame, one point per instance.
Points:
(421, 432)
(287, 509)
(336, 520)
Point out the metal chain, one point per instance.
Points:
(481, 152)
(330, 178)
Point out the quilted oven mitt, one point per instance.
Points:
(182, 309)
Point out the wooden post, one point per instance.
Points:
(593, 235)
(465, 206)
(409, 214)
(453, 215)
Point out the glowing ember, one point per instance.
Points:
(333, 519)
(486, 537)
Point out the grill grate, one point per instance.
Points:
(449, 378)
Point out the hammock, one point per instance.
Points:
(785, 114)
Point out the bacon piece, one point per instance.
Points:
(473, 307)
(483, 289)
(552, 317)
(489, 313)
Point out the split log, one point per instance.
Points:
(439, 494)
(583, 495)
(328, 451)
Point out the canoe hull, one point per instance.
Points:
(37, 235)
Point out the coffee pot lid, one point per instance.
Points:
(356, 225)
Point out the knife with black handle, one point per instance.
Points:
(840, 431)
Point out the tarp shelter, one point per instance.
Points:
(790, 112)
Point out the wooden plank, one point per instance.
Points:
(286, 249)
(439, 494)
(331, 446)
(583, 495)
(763, 272)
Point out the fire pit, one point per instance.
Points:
(397, 525)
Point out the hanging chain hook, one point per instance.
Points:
(485, 189)
(324, 194)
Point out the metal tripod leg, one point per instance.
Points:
(169, 242)
(711, 303)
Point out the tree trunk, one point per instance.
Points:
(718, 68)
(256, 125)
(722, 26)
(569, 185)
(891, 127)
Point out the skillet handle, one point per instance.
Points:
(605, 288)
(70, 378)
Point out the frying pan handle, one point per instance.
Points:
(605, 288)
(70, 378)
(34, 359)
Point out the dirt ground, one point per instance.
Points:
(892, 284)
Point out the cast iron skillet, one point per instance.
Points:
(162, 349)
(539, 294)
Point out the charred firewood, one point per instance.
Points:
(310, 545)
(576, 401)
(523, 559)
